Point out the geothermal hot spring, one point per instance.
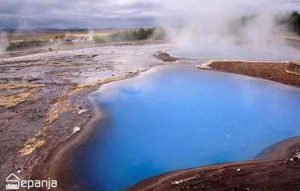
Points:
(179, 117)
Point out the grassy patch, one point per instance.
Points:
(132, 35)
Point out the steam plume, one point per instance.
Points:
(229, 29)
(3, 42)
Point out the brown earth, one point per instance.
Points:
(293, 68)
(275, 169)
(282, 72)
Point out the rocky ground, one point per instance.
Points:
(44, 97)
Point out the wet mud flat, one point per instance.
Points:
(44, 98)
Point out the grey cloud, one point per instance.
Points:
(76, 13)
(84, 13)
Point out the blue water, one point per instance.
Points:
(179, 118)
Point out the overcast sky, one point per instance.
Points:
(85, 13)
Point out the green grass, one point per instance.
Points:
(26, 43)
(134, 35)
(294, 22)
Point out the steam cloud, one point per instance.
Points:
(3, 42)
(230, 29)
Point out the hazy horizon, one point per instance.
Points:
(99, 14)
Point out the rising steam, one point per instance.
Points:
(3, 42)
(230, 29)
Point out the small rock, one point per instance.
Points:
(88, 116)
(82, 111)
(76, 129)
(19, 170)
(238, 170)
(297, 155)
(31, 79)
(165, 57)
